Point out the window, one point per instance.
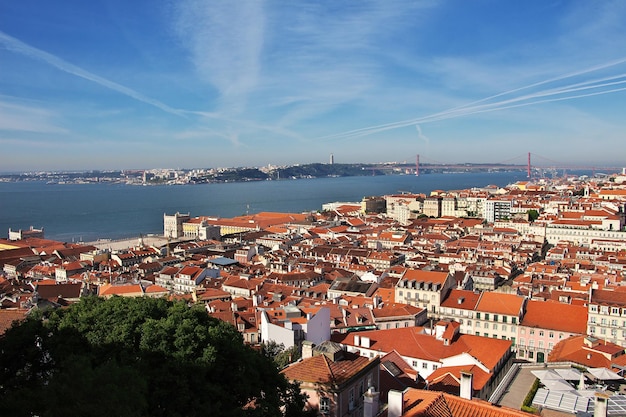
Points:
(478, 325)
(486, 334)
(435, 367)
(541, 333)
(414, 363)
(514, 320)
(469, 323)
(504, 319)
(400, 293)
(478, 315)
(486, 316)
(495, 326)
(532, 331)
(504, 327)
(324, 405)
(424, 365)
(560, 336)
(351, 403)
(551, 335)
(495, 317)
(593, 308)
(513, 341)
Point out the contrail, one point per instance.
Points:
(22, 48)
(471, 108)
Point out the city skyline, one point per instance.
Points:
(114, 85)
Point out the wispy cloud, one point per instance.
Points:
(22, 118)
(17, 46)
(225, 41)
(484, 105)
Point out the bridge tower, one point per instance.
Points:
(528, 168)
(417, 165)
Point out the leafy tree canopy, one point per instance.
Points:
(137, 357)
(533, 215)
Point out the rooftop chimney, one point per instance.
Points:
(307, 349)
(371, 403)
(600, 405)
(395, 401)
(466, 385)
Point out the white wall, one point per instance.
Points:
(273, 332)
(318, 327)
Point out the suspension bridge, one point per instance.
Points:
(533, 164)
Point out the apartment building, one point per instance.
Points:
(425, 289)
(607, 316)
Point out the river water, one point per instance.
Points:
(75, 212)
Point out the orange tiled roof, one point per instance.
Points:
(421, 403)
(425, 276)
(500, 303)
(413, 343)
(556, 316)
(7, 317)
(319, 369)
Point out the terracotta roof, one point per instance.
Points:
(322, 370)
(574, 349)
(555, 316)
(500, 303)
(448, 379)
(420, 403)
(462, 299)
(7, 317)
(124, 290)
(411, 342)
(607, 297)
(60, 290)
(425, 276)
(151, 289)
(396, 310)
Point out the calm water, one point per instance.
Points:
(73, 212)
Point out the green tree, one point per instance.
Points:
(532, 215)
(281, 356)
(137, 357)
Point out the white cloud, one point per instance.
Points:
(225, 40)
(22, 118)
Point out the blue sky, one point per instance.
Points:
(205, 83)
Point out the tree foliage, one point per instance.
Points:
(279, 354)
(137, 357)
(532, 215)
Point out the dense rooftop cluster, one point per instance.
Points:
(396, 291)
